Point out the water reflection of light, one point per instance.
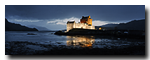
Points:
(82, 41)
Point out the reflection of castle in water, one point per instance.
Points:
(82, 41)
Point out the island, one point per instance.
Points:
(134, 28)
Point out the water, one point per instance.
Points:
(47, 38)
(39, 37)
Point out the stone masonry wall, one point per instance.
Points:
(70, 26)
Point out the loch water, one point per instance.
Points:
(76, 41)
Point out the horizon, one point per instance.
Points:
(79, 22)
(55, 17)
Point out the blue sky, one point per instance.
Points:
(55, 17)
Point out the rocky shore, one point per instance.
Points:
(117, 33)
(97, 51)
(22, 48)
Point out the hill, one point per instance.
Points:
(107, 26)
(38, 27)
(17, 27)
(110, 25)
(132, 25)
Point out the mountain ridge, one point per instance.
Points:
(132, 25)
(16, 27)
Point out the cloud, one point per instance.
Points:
(110, 13)
(27, 20)
(63, 21)
(99, 23)
(23, 20)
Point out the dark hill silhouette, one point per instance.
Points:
(17, 27)
(110, 25)
(38, 27)
(132, 25)
(107, 26)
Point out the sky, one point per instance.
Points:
(55, 17)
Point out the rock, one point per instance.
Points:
(31, 34)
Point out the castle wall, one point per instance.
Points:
(90, 27)
(83, 21)
(80, 25)
(70, 26)
(90, 21)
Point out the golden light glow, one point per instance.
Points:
(81, 41)
(100, 28)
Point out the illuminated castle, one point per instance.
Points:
(85, 23)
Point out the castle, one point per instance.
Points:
(85, 23)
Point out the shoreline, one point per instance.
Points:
(19, 48)
(115, 33)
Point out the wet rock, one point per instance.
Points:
(58, 42)
(36, 47)
(31, 34)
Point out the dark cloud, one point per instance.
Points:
(97, 12)
(54, 17)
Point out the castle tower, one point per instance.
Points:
(70, 25)
(87, 20)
